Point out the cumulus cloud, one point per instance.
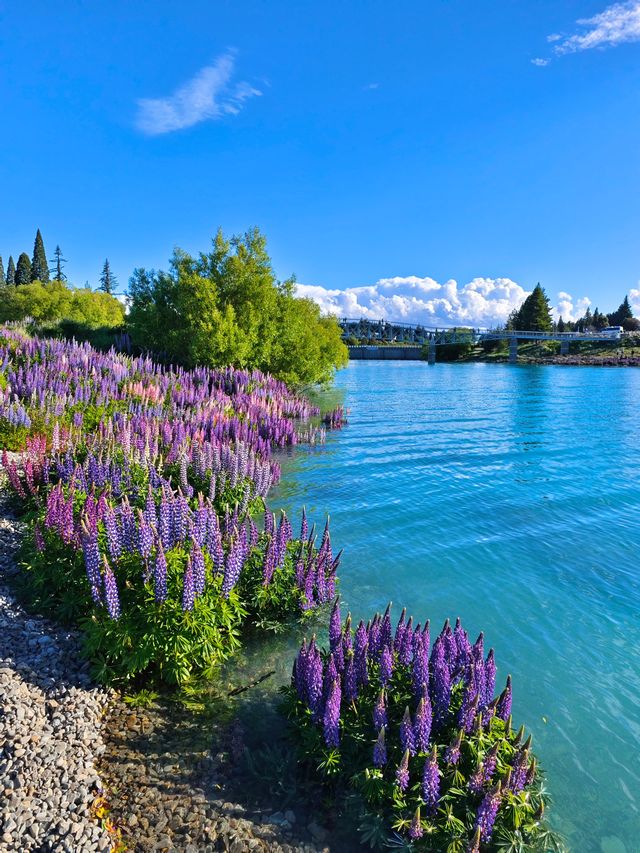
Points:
(210, 94)
(481, 303)
(634, 299)
(539, 61)
(615, 25)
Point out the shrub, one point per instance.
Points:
(417, 735)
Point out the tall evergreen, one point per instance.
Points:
(58, 261)
(535, 313)
(561, 325)
(23, 269)
(108, 280)
(11, 271)
(39, 266)
(623, 313)
(3, 280)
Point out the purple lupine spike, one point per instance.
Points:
(313, 676)
(386, 666)
(160, 574)
(188, 591)
(462, 644)
(304, 526)
(402, 772)
(385, 628)
(487, 813)
(361, 644)
(380, 750)
(519, 770)
(331, 717)
(440, 684)
(415, 830)
(253, 534)
(474, 842)
(489, 678)
(112, 599)
(406, 646)
(478, 647)
(476, 780)
(431, 782)
(400, 631)
(232, 568)
(422, 724)
(490, 762)
(350, 680)
(199, 573)
(92, 561)
(426, 637)
(145, 536)
(407, 737)
(380, 712)
(468, 708)
(347, 642)
(374, 637)
(419, 665)
(114, 542)
(299, 673)
(452, 752)
(503, 710)
(330, 675)
(450, 646)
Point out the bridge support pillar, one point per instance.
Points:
(513, 350)
(432, 351)
(564, 347)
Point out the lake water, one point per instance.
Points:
(508, 496)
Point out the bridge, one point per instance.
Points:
(388, 332)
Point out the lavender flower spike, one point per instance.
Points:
(487, 812)
(407, 738)
(380, 750)
(331, 719)
(111, 592)
(415, 830)
(504, 704)
(431, 782)
(402, 772)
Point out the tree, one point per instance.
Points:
(58, 262)
(600, 321)
(3, 280)
(53, 301)
(561, 326)
(108, 280)
(39, 266)
(535, 313)
(23, 269)
(11, 271)
(623, 313)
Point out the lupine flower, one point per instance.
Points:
(335, 625)
(331, 719)
(519, 770)
(504, 705)
(402, 771)
(415, 830)
(400, 630)
(160, 574)
(407, 737)
(380, 750)
(385, 628)
(476, 780)
(487, 812)
(304, 527)
(350, 680)
(474, 842)
(361, 644)
(197, 561)
(431, 782)
(452, 752)
(422, 724)
(489, 678)
(313, 675)
(440, 684)
(188, 591)
(386, 666)
(380, 712)
(112, 599)
(490, 761)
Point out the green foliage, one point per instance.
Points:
(108, 280)
(621, 314)
(39, 266)
(53, 301)
(3, 279)
(227, 307)
(11, 271)
(534, 314)
(23, 270)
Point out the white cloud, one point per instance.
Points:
(540, 62)
(634, 299)
(483, 302)
(617, 24)
(370, 86)
(210, 94)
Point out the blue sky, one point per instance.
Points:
(443, 155)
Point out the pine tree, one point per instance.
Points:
(23, 269)
(11, 271)
(39, 266)
(561, 326)
(623, 313)
(58, 262)
(108, 280)
(535, 314)
(3, 280)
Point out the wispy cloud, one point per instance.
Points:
(615, 25)
(412, 299)
(540, 61)
(210, 94)
(370, 86)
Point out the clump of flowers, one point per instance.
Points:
(417, 731)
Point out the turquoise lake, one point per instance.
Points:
(508, 496)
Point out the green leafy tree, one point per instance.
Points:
(52, 301)
(11, 271)
(23, 269)
(58, 262)
(535, 313)
(227, 307)
(624, 312)
(3, 279)
(108, 280)
(39, 266)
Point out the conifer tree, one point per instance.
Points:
(39, 266)
(623, 313)
(534, 314)
(23, 269)
(561, 326)
(108, 280)
(3, 280)
(11, 271)
(58, 261)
